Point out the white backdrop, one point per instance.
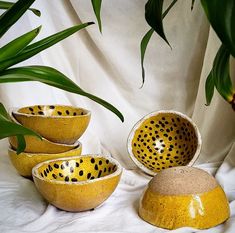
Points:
(108, 66)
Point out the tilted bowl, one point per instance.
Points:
(35, 145)
(57, 123)
(164, 139)
(184, 197)
(77, 183)
(24, 162)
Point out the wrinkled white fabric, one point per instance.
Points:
(108, 66)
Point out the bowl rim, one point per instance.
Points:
(155, 113)
(14, 111)
(75, 144)
(29, 154)
(119, 170)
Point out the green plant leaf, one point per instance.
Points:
(14, 47)
(52, 77)
(146, 38)
(4, 117)
(41, 45)
(153, 16)
(9, 128)
(6, 5)
(209, 88)
(9, 17)
(220, 73)
(96, 4)
(21, 144)
(143, 46)
(3, 113)
(221, 15)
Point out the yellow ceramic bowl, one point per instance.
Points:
(162, 140)
(35, 145)
(24, 162)
(57, 123)
(77, 183)
(184, 196)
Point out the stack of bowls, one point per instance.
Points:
(60, 127)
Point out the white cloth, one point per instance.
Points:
(108, 65)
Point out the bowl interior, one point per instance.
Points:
(53, 110)
(77, 169)
(164, 140)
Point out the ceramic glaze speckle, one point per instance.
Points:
(53, 110)
(77, 170)
(162, 140)
(77, 183)
(24, 162)
(56, 123)
(197, 201)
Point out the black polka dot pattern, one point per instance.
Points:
(51, 110)
(81, 169)
(163, 141)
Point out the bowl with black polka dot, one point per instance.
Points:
(57, 123)
(164, 139)
(78, 183)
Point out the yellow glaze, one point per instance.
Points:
(57, 123)
(162, 140)
(77, 183)
(200, 211)
(35, 145)
(24, 162)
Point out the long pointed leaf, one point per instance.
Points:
(221, 15)
(4, 117)
(21, 144)
(143, 46)
(41, 45)
(53, 78)
(153, 16)
(220, 72)
(209, 88)
(96, 4)
(6, 5)
(146, 38)
(14, 47)
(8, 18)
(8, 128)
(3, 113)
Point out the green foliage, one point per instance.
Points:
(35, 48)
(145, 40)
(16, 46)
(52, 77)
(153, 16)
(20, 49)
(143, 47)
(221, 15)
(96, 4)
(6, 5)
(209, 88)
(9, 128)
(11, 16)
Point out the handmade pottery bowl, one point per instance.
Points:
(162, 140)
(24, 162)
(77, 183)
(57, 123)
(184, 196)
(35, 145)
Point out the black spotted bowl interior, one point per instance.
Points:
(56, 123)
(77, 183)
(164, 139)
